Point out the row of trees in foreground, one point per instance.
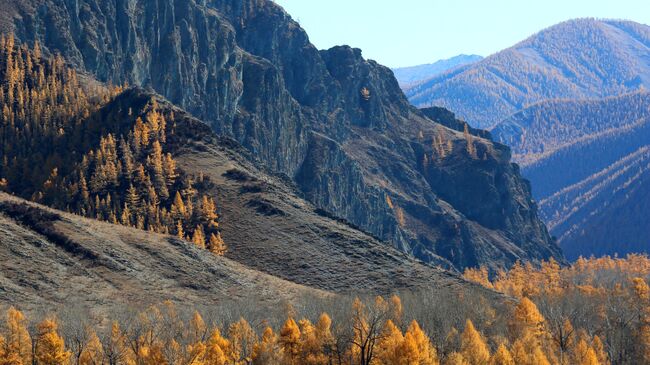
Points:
(594, 312)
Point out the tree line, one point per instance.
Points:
(596, 311)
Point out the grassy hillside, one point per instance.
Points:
(54, 258)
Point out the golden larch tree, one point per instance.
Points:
(473, 347)
(290, 341)
(50, 347)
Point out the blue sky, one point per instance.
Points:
(410, 32)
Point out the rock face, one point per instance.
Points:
(337, 124)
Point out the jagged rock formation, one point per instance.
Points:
(337, 124)
(577, 59)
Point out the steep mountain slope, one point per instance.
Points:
(587, 161)
(336, 124)
(280, 246)
(410, 76)
(605, 214)
(578, 59)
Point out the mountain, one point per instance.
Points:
(577, 59)
(546, 127)
(280, 247)
(588, 163)
(410, 76)
(336, 124)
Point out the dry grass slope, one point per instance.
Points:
(57, 258)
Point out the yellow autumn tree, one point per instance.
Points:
(290, 341)
(198, 238)
(473, 347)
(242, 341)
(426, 351)
(583, 354)
(528, 319)
(216, 245)
(325, 336)
(408, 352)
(456, 358)
(115, 349)
(217, 350)
(50, 347)
(18, 344)
(479, 276)
(388, 348)
(528, 326)
(93, 352)
(267, 351)
(502, 356)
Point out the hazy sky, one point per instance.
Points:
(410, 32)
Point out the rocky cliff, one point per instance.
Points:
(335, 123)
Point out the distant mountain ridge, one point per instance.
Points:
(545, 127)
(577, 59)
(413, 75)
(588, 163)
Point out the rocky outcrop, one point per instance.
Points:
(335, 123)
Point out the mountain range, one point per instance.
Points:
(588, 162)
(571, 103)
(410, 76)
(577, 59)
(310, 165)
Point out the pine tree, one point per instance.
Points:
(426, 351)
(217, 349)
(290, 341)
(180, 233)
(217, 246)
(408, 351)
(473, 347)
(50, 348)
(178, 207)
(156, 164)
(18, 342)
(388, 349)
(583, 354)
(93, 353)
(456, 358)
(198, 238)
(209, 210)
(267, 351)
(502, 357)
(242, 341)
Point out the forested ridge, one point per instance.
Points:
(587, 162)
(543, 128)
(576, 59)
(86, 150)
